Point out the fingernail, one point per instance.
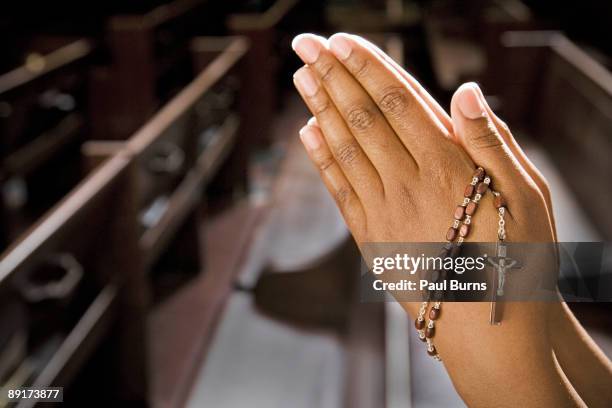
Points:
(310, 138)
(307, 48)
(313, 121)
(306, 82)
(469, 102)
(340, 46)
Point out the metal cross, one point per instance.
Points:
(502, 265)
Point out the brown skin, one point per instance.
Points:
(389, 156)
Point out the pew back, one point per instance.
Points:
(74, 268)
(42, 122)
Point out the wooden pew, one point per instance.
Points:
(100, 226)
(562, 97)
(42, 123)
(182, 149)
(149, 63)
(85, 249)
(263, 63)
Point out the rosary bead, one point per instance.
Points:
(430, 332)
(479, 173)
(464, 230)
(451, 234)
(459, 212)
(481, 188)
(470, 209)
(499, 201)
(419, 324)
(434, 313)
(469, 190)
(432, 351)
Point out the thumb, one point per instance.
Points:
(479, 136)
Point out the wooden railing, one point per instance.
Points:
(100, 227)
(149, 55)
(42, 116)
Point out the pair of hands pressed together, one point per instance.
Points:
(397, 165)
(393, 159)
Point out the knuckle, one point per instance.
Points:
(485, 136)
(360, 118)
(320, 103)
(395, 101)
(321, 107)
(342, 196)
(360, 67)
(348, 153)
(327, 71)
(325, 162)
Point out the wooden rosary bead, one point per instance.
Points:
(481, 188)
(469, 191)
(499, 201)
(459, 212)
(419, 324)
(451, 234)
(461, 225)
(470, 209)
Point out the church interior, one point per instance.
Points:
(165, 240)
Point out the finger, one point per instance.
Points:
(485, 145)
(409, 116)
(362, 116)
(435, 107)
(346, 150)
(522, 158)
(336, 182)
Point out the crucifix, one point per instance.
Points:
(502, 265)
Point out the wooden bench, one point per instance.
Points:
(140, 202)
(79, 270)
(263, 63)
(181, 149)
(43, 111)
(149, 63)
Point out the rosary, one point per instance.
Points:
(455, 237)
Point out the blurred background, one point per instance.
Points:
(166, 241)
